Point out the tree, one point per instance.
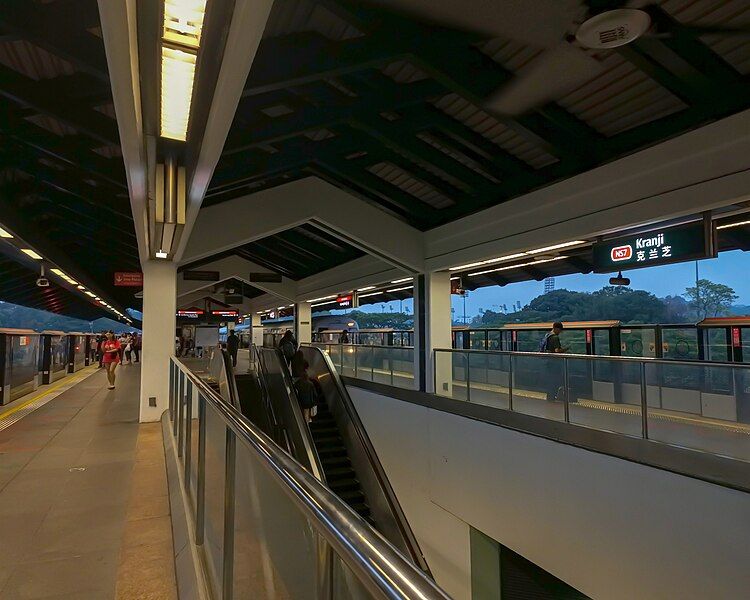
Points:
(394, 320)
(709, 299)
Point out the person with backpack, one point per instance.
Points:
(288, 346)
(550, 344)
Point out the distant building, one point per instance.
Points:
(549, 285)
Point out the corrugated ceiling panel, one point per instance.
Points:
(402, 71)
(409, 184)
(464, 160)
(293, 16)
(51, 124)
(488, 126)
(619, 98)
(731, 13)
(32, 61)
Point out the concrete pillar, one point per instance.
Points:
(256, 330)
(159, 322)
(432, 329)
(303, 322)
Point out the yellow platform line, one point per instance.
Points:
(47, 391)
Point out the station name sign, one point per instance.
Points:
(660, 247)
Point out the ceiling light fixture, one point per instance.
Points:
(730, 225)
(518, 266)
(5, 234)
(322, 298)
(368, 295)
(366, 289)
(401, 289)
(404, 280)
(161, 254)
(31, 253)
(181, 37)
(90, 294)
(491, 261)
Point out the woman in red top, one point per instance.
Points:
(111, 350)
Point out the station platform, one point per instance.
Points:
(84, 506)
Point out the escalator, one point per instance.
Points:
(335, 447)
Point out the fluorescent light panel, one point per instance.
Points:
(730, 225)
(371, 294)
(183, 22)
(491, 261)
(5, 234)
(404, 280)
(322, 298)
(31, 253)
(366, 289)
(401, 289)
(516, 266)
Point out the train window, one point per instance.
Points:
(494, 340)
(528, 341)
(574, 340)
(680, 343)
(477, 339)
(638, 342)
(458, 340)
(715, 345)
(745, 342)
(601, 342)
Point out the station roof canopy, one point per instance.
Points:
(428, 116)
(432, 123)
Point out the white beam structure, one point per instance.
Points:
(700, 170)
(120, 33)
(238, 268)
(311, 200)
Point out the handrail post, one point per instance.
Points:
(230, 457)
(468, 377)
(372, 370)
(390, 364)
(188, 432)
(180, 416)
(434, 370)
(200, 492)
(355, 358)
(644, 402)
(566, 402)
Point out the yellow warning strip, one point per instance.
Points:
(47, 391)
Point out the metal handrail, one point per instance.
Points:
(380, 567)
(631, 359)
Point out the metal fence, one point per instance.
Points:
(265, 526)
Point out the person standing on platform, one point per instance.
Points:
(288, 346)
(233, 345)
(344, 337)
(136, 347)
(550, 344)
(99, 351)
(111, 349)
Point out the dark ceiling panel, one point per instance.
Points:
(401, 120)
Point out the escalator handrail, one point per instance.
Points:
(377, 466)
(308, 450)
(382, 569)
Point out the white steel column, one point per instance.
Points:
(256, 330)
(303, 322)
(159, 322)
(432, 329)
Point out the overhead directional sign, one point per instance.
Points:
(265, 278)
(201, 275)
(126, 279)
(659, 247)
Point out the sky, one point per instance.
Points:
(729, 268)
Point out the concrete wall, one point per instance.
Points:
(610, 528)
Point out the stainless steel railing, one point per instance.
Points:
(392, 365)
(266, 527)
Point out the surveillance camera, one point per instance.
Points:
(42, 281)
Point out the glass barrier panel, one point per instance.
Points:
(538, 386)
(213, 535)
(275, 546)
(715, 345)
(610, 403)
(713, 416)
(489, 376)
(403, 367)
(194, 441)
(347, 361)
(459, 366)
(679, 343)
(638, 342)
(346, 586)
(382, 360)
(364, 362)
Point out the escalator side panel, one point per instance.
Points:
(384, 507)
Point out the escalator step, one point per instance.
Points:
(330, 451)
(361, 509)
(327, 440)
(341, 485)
(336, 461)
(322, 431)
(339, 473)
(352, 497)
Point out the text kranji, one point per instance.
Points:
(652, 242)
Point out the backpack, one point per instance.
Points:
(288, 350)
(306, 393)
(543, 342)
